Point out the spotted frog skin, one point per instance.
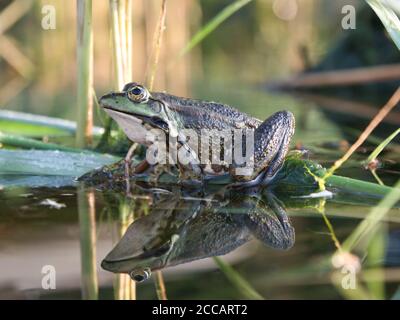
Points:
(137, 111)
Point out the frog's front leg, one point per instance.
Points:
(189, 169)
(156, 171)
(271, 144)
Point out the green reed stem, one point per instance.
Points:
(85, 73)
(34, 125)
(28, 143)
(357, 186)
(87, 228)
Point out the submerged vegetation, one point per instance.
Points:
(46, 152)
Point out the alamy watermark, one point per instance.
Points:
(349, 265)
(48, 17)
(288, 10)
(49, 277)
(349, 18)
(207, 147)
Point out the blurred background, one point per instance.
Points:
(262, 42)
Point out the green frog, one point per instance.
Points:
(182, 226)
(137, 111)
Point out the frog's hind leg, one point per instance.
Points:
(268, 222)
(272, 140)
(271, 144)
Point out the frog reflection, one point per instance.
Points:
(183, 227)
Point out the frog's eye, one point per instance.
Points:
(138, 94)
(140, 275)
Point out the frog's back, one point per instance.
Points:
(199, 114)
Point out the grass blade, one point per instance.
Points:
(50, 163)
(28, 143)
(237, 280)
(35, 125)
(214, 23)
(366, 229)
(390, 20)
(382, 146)
(396, 295)
(357, 186)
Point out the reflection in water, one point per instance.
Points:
(87, 224)
(182, 227)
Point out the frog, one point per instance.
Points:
(138, 111)
(183, 225)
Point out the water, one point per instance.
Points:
(34, 235)
(281, 244)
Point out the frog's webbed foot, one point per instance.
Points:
(271, 144)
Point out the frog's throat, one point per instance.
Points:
(132, 126)
(135, 126)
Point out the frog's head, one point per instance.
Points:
(137, 112)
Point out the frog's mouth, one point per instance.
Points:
(137, 127)
(155, 122)
(154, 259)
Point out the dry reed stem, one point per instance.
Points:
(13, 12)
(383, 112)
(116, 45)
(128, 158)
(155, 54)
(160, 286)
(129, 40)
(121, 23)
(123, 38)
(341, 77)
(15, 58)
